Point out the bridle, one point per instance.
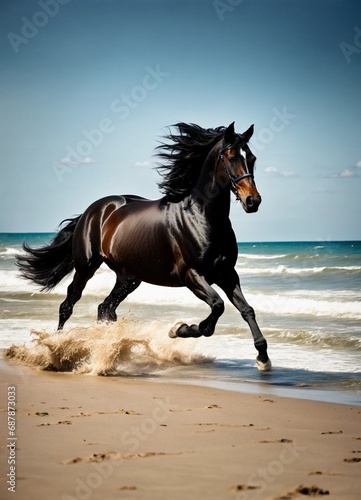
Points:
(232, 178)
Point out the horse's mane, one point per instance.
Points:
(184, 158)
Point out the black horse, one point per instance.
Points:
(183, 239)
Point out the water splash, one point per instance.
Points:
(123, 348)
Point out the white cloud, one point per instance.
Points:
(87, 160)
(347, 173)
(271, 170)
(287, 173)
(279, 173)
(84, 161)
(142, 164)
(66, 161)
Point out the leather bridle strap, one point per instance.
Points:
(232, 178)
(248, 155)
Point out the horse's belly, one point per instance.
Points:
(145, 252)
(148, 266)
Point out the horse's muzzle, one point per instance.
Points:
(251, 203)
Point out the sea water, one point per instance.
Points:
(306, 296)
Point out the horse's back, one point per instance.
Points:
(136, 239)
(95, 222)
(127, 232)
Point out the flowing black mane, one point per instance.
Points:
(184, 158)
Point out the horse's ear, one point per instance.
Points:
(229, 134)
(248, 133)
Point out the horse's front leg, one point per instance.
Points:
(229, 282)
(199, 286)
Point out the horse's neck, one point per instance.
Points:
(197, 223)
(212, 193)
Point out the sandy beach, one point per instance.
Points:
(81, 436)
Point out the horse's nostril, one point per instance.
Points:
(249, 201)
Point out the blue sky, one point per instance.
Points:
(88, 87)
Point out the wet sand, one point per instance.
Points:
(81, 436)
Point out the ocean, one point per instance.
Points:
(307, 300)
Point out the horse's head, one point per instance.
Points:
(240, 168)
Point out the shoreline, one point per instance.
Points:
(136, 438)
(333, 396)
(251, 381)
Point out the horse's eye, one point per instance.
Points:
(231, 158)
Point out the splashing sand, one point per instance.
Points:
(123, 348)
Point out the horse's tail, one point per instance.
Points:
(48, 265)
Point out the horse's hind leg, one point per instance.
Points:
(74, 293)
(123, 287)
(199, 286)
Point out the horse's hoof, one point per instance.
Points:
(173, 331)
(186, 332)
(193, 332)
(182, 330)
(264, 367)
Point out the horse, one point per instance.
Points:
(183, 239)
